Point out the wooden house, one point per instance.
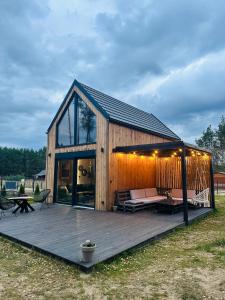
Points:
(98, 145)
(219, 177)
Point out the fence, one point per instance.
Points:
(219, 187)
(28, 183)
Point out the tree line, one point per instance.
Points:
(21, 162)
(214, 140)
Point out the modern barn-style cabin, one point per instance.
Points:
(98, 145)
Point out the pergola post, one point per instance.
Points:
(184, 185)
(212, 185)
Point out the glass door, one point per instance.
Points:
(65, 179)
(85, 188)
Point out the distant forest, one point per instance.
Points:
(21, 162)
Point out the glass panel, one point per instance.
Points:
(86, 124)
(85, 182)
(66, 127)
(65, 182)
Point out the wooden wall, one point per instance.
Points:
(101, 157)
(125, 171)
(168, 172)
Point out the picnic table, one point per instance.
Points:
(22, 203)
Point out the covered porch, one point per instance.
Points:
(170, 166)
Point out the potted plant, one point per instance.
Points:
(3, 191)
(37, 190)
(88, 249)
(21, 190)
(114, 207)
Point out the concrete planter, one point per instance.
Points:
(87, 252)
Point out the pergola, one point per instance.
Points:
(180, 150)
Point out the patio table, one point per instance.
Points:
(170, 206)
(23, 204)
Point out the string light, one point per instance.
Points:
(180, 150)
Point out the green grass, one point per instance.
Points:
(187, 264)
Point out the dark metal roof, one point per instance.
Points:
(40, 174)
(123, 113)
(164, 147)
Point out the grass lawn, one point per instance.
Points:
(187, 264)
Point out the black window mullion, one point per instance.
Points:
(75, 119)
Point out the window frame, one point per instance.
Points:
(74, 97)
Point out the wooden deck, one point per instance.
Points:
(60, 230)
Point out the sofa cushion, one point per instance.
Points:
(150, 192)
(156, 198)
(137, 194)
(135, 201)
(191, 194)
(145, 200)
(177, 193)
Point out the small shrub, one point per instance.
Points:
(88, 243)
(3, 191)
(21, 189)
(37, 190)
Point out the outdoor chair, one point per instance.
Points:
(5, 205)
(42, 197)
(202, 198)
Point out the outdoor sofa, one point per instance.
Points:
(199, 199)
(133, 200)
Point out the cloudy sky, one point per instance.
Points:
(166, 57)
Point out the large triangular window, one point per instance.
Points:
(86, 129)
(77, 124)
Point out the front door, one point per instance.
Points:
(75, 182)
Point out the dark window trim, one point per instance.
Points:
(77, 154)
(58, 122)
(89, 154)
(77, 145)
(74, 97)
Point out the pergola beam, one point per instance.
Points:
(184, 185)
(212, 185)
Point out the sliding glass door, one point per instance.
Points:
(65, 181)
(75, 182)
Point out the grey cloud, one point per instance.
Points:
(117, 49)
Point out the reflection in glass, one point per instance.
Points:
(85, 191)
(86, 124)
(65, 182)
(66, 127)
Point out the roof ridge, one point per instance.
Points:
(132, 106)
(123, 102)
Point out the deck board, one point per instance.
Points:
(60, 230)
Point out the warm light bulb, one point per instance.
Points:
(180, 150)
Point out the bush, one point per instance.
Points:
(3, 191)
(21, 189)
(37, 190)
